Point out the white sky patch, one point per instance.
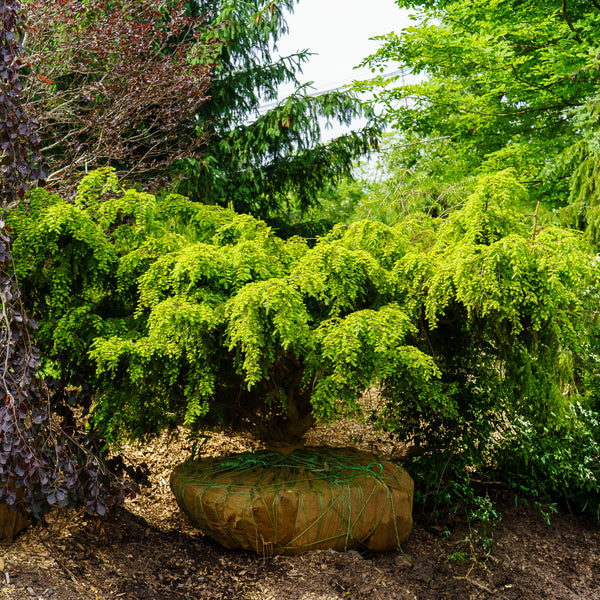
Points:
(338, 32)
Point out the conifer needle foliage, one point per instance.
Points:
(264, 153)
(175, 312)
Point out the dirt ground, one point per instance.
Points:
(150, 551)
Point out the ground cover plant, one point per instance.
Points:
(474, 328)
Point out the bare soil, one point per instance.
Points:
(150, 551)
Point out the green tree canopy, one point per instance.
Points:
(500, 84)
(174, 92)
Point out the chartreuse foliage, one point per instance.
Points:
(508, 315)
(175, 311)
(472, 327)
(44, 460)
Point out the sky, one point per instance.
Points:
(338, 32)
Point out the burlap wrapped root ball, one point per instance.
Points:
(12, 522)
(272, 503)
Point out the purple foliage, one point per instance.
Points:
(41, 464)
(19, 141)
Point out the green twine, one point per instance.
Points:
(328, 467)
(274, 471)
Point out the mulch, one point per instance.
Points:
(150, 551)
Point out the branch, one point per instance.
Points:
(307, 421)
(568, 20)
(60, 141)
(535, 220)
(519, 112)
(291, 408)
(534, 85)
(245, 413)
(425, 141)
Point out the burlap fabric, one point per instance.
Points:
(11, 523)
(273, 503)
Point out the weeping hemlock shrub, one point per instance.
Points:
(508, 313)
(173, 312)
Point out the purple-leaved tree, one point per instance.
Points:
(42, 463)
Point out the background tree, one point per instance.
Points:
(387, 189)
(263, 154)
(500, 85)
(128, 83)
(116, 82)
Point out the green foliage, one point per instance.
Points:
(41, 465)
(175, 311)
(477, 329)
(506, 301)
(580, 164)
(405, 179)
(560, 460)
(256, 159)
(508, 318)
(482, 519)
(494, 85)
